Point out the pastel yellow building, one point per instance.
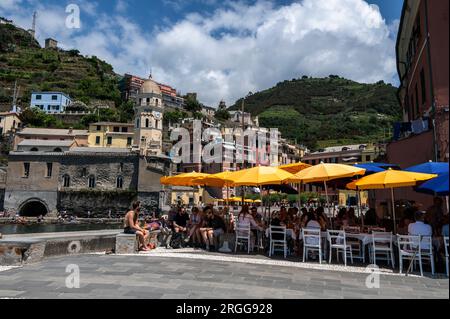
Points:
(110, 134)
(9, 121)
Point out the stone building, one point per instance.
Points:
(51, 43)
(82, 179)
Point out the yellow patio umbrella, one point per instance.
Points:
(185, 179)
(216, 180)
(324, 172)
(248, 200)
(391, 179)
(294, 168)
(260, 175)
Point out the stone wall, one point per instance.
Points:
(97, 202)
(105, 169)
(14, 200)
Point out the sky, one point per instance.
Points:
(223, 49)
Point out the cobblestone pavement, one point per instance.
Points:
(185, 276)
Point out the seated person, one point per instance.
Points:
(194, 226)
(256, 216)
(370, 218)
(180, 221)
(131, 226)
(322, 218)
(245, 217)
(404, 225)
(350, 218)
(312, 221)
(420, 228)
(341, 216)
(212, 227)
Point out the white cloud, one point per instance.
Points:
(248, 48)
(240, 47)
(10, 4)
(121, 6)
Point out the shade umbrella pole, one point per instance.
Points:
(393, 209)
(326, 195)
(299, 196)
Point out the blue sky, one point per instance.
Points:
(224, 49)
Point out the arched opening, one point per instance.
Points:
(57, 150)
(34, 149)
(91, 181)
(66, 180)
(119, 182)
(33, 208)
(147, 122)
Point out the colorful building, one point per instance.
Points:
(79, 136)
(9, 122)
(109, 134)
(423, 69)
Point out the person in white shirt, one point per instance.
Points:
(420, 228)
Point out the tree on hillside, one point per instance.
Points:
(37, 118)
(192, 105)
(222, 114)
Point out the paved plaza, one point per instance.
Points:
(190, 275)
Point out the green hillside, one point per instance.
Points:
(87, 79)
(321, 112)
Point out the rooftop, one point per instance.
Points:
(335, 149)
(48, 131)
(45, 143)
(99, 150)
(113, 123)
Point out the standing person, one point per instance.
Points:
(131, 226)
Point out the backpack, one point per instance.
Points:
(177, 241)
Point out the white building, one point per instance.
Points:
(50, 102)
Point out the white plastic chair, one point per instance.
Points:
(277, 230)
(446, 253)
(408, 247)
(382, 243)
(312, 241)
(243, 233)
(337, 240)
(418, 248)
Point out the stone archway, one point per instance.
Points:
(33, 207)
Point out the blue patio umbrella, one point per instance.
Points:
(437, 186)
(429, 168)
(384, 165)
(370, 168)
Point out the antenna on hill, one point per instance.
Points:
(16, 94)
(33, 25)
